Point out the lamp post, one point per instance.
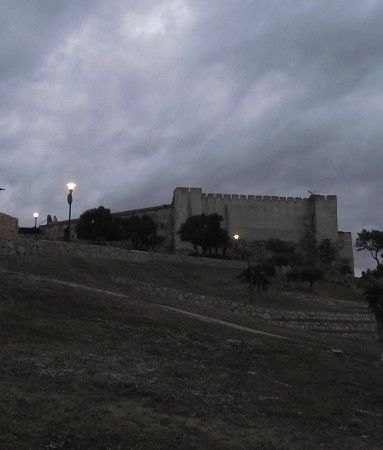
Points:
(70, 187)
(236, 237)
(35, 215)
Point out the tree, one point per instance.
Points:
(327, 252)
(96, 223)
(205, 232)
(140, 231)
(371, 241)
(309, 274)
(283, 253)
(254, 277)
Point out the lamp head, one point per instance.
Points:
(236, 237)
(71, 186)
(35, 215)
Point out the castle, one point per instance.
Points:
(252, 217)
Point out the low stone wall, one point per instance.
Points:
(361, 324)
(8, 226)
(29, 247)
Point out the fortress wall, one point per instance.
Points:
(182, 209)
(326, 217)
(260, 217)
(9, 226)
(345, 247)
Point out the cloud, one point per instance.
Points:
(133, 98)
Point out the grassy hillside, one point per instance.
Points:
(215, 281)
(86, 370)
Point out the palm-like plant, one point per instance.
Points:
(255, 278)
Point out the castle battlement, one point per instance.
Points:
(252, 197)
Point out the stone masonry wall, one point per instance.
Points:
(256, 217)
(8, 226)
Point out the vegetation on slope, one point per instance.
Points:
(83, 370)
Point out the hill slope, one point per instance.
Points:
(87, 370)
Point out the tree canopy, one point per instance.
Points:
(96, 223)
(140, 231)
(371, 241)
(205, 232)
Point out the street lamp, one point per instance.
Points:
(236, 237)
(35, 215)
(71, 186)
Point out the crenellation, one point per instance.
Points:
(243, 197)
(218, 195)
(235, 196)
(251, 197)
(290, 199)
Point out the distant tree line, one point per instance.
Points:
(99, 225)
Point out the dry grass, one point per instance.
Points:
(83, 370)
(213, 281)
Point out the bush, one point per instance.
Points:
(306, 274)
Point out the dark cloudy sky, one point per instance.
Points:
(130, 98)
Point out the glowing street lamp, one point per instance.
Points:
(35, 215)
(236, 237)
(71, 186)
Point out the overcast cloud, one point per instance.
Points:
(131, 98)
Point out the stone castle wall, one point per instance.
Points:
(256, 217)
(9, 226)
(253, 217)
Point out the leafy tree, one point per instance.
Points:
(305, 274)
(343, 267)
(371, 241)
(96, 223)
(140, 231)
(374, 296)
(205, 232)
(311, 274)
(327, 252)
(283, 253)
(255, 278)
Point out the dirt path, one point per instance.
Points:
(195, 316)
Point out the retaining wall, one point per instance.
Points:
(29, 247)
